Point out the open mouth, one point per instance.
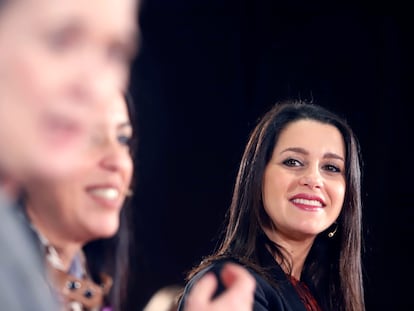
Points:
(105, 193)
(311, 203)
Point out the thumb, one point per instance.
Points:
(202, 292)
(237, 277)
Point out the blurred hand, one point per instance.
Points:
(239, 293)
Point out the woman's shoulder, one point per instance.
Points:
(211, 266)
(216, 265)
(267, 296)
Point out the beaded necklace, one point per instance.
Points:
(75, 288)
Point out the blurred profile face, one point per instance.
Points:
(304, 182)
(58, 61)
(85, 204)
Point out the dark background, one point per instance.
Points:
(209, 68)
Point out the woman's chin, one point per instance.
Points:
(104, 230)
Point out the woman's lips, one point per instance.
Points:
(307, 202)
(105, 193)
(107, 196)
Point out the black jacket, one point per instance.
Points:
(267, 297)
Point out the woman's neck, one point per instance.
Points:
(66, 249)
(66, 254)
(295, 251)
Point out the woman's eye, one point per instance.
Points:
(292, 162)
(125, 140)
(332, 168)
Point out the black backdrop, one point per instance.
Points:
(209, 68)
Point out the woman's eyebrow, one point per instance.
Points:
(295, 149)
(328, 155)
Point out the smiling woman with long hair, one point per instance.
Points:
(295, 215)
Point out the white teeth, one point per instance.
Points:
(307, 202)
(106, 193)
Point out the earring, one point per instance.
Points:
(332, 233)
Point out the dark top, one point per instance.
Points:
(284, 297)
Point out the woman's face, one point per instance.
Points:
(304, 182)
(61, 56)
(86, 204)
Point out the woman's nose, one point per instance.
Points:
(113, 156)
(116, 157)
(311, 178)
